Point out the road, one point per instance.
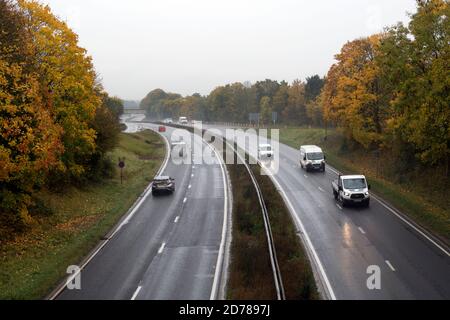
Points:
(346, 241)
(169, 247)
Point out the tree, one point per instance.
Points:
(67, 82)
(280, 100)
(415, 62)
(266, 110)
(295, 111)
(352, 95)
(29, 140)
(313, 87)
(114, 104)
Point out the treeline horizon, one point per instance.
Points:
(388, 92)
(56, 121)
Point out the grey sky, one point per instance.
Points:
(194, 46)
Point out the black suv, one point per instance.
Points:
(163, 184)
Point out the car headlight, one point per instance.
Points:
(346, 194)
(366, 193)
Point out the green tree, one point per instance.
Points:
(313, 87)
(414, 61)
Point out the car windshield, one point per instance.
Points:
(355, 183)
(315, 156)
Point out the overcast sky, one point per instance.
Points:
(194, 46)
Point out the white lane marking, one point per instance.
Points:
(338, 206)
(136, 293)
(190, 186)
(147, 192)
(161, 249)
(403, 219)
(192, 175)
(412, 226)
(305, 176)
(306, 237)
(193, 167)
(184, 200)
(176, 220)
(321, 189)
(361, 230)
(390, 265)
(220, 256)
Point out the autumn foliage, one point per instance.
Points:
(391, 91)
(49, 102)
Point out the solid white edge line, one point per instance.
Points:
(361, 230)
(136, 293)
(307, 239)
(161, 249)
(402, 218)
(62, 287)
(390, 265)
(220, 257)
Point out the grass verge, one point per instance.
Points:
(413, 196)
(34, 262)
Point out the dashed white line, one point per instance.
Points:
(361, 230)
(321, 189)
(305, 176)
(338, 206)
(184, 200)
(190, 186)
(390, 265)
(161, 249)
(176, 219)
(136, 293)
(192, 175)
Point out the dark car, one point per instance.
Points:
(163, 184)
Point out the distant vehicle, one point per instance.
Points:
(183, 120)
(312, 158)
(161, 129)
(163, 184)
(351, 190)
(168, 120)
(265, 152)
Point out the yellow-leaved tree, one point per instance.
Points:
(352, 96)
(68, 84)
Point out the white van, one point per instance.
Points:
(183, 120)
(312, 158)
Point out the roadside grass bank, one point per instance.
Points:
(423, 196)
(76, 219)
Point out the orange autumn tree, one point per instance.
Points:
(352, 96)
(68, 84)
(29, 139)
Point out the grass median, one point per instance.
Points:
(34, 262)
(421, 196)
(250, 272)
